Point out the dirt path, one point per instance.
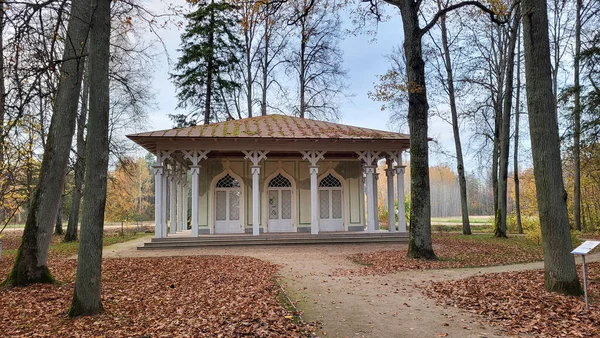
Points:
(354, 306)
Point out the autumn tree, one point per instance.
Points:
(560, 274)
(79, 165)
(274, 40)
(448, 85)
(31, 262)
(28, 87)
(129, 190)
(500, 219)
(316, 59)
(391, 89)
(517, 140)
(418, 113)
(86, 296)
(210, 50)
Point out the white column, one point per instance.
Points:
(158, 198)
(172, 203)
(179, 203)
(376, 197)
(195, 156)
(369, 172)
(369, 158)
(313, 156)
(255, 200)
(163, 214)
(401, 209)
(186, 201)
(184, 196)
(195, 192)
(255, 156)
(390, 197)
(314, 199)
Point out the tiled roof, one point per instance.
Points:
(275, 127)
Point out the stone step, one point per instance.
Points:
(239, 240)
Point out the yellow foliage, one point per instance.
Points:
(128, 192)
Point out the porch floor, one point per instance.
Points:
(184, 240)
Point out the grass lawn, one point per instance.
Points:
(12, 239)
(458, 219)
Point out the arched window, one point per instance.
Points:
(330, 181)
(228, 182)
(280, 181)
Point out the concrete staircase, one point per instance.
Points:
(274, 239)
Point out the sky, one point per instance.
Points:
(364, 58)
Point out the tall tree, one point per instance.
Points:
(2, 87)
(209, 51)
(86, 296)
(274, 41)
(500, 223)
(577, 120)
(58, 225)
(79, 170)
(450, 90)
(418, 113)
(316, 62)
(516, 149)
(31, 262)
(560, 274)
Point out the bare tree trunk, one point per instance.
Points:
(500, 223)
(516, 153)
(58, 228)
(420, 245)
(460, 167)
(31, 263)
(265, 66)
(209, 70)
(86, 297)
(495, 157)
(249, 80)
(303, 42)
(71, 234)
(2, 87)
(577, 123)
(560, 274)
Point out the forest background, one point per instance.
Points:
(145, 43)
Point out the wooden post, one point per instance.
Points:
(313, 156)
(158, 172)
(255, 200)
(390, 197)
(401, 209)
(369, 159)
(195, 192)
(369, 171)
(255, 156)
(172, 202)
(195, 156)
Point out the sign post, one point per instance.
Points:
(583, 250)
